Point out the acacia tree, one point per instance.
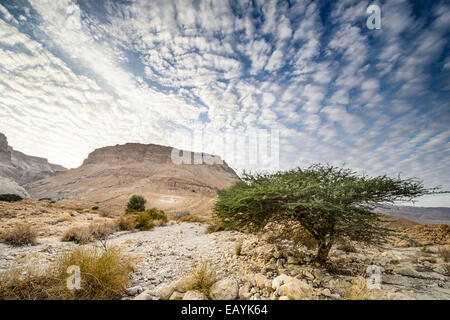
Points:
(329, 202)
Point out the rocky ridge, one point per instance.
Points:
(22, 168)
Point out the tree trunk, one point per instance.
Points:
(322, 251)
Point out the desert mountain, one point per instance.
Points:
(430, 215)
(110, 175)
(22, 168)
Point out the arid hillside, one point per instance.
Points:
(110, 175)
(22, 168)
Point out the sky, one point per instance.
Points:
(79, 75)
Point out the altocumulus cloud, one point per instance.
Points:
(146, 71)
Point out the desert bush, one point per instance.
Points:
(126, 223)
(191, 218)
(204, 275)
(329, 202)
(104, 276)
(214, 226)
(144, 221)
(77, 234)
(104, 214)
(104, 273)
(20, 235)
(179, 214)
(10, 197)
(98, 230)
(95, 208)
(358, 290)
(444, 253)
(136, 204)
(156, 214)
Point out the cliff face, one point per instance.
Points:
(22, 168)
(112, 174)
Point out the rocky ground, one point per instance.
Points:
(164, 258)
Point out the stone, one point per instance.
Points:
(278, 281)
(406, 271)
(292, 260)
(177, 296)
(165, 292)
(133, 291)
(260, 281)
(296, 289)
(244, 292)
(194, 295)
(184, 284)
(225, 289)
(145, 295)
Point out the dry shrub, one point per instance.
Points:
(97, 230)
(179, 214)
(104, 273)
(205, 276)
(238, 248)
(444, 253)
(126, 223)
(20, 235)
(214, 226)
(65, 217)
(104, 214)
(104, 276)
(191, 218)
(358, 290)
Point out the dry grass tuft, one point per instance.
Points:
(205, 276)
(358, 290)
(214, 226)
(97, 230)
(191, 218)
(126, 223)
(238, 248)
(20, 235)
(104, 276)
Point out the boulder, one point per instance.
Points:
(260, 281)
(225, 289)
(194, 295)
(146, 295)
(296, 289)
(244, 291)
(278, 281)
(406, 270)
(181, 285)
(177, 296)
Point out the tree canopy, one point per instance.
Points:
(329, 202)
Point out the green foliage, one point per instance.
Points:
(10, 197)
(156, 214)
(144, 221)
(95, 208)
(329, 202)
(136, 203)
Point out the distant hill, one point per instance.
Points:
(110, 175)
(430, 215)
(22, 168)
